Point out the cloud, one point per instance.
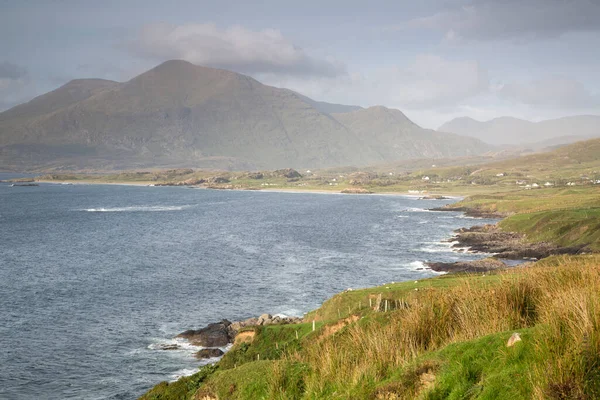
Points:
(432, 81)
(10, 71)
(511, 19)
(428, 81)
(14, 82)
(552, 92)
(235, 48)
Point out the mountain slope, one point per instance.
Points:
(180, 114)
(396, 137)
(514, 131)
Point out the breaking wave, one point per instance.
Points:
(137, 209)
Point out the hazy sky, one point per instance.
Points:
(432, 59)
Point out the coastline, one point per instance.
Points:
(446, 195)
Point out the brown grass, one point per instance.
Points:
(561, 295)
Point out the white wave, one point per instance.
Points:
(402, 216)
(435, 249)
(417, 264)
(137, 209)
(416, 209)
(182, 345)
(289, 312)
(181, 373)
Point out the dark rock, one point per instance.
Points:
(508, 245)
(287, 173)
(217, 179)
(255, 175)
(208, 353)
(488, 264)
(168, 347)
(213, 335)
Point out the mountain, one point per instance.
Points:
(328, 108)
(395, 137)
(180, 114)
(514, 131)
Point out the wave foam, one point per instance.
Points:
(182, 345)
(181, 373)
(417, 265)
(436, 249)
(416, 209)
(137, 209)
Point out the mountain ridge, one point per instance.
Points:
(180, 114)
(515, 131)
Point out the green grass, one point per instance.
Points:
(526, 201)
(485, 368)
(453, 329)
(270, 343)
(577, 227)
(183, 389)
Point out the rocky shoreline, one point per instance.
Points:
(472, 212)
(478, 239)
(492, 240)
(213, 337)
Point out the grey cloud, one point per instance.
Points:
(15, 84)
(12, 71)
(427, 82)
(512, 19)
(235, 48)
(552, 92)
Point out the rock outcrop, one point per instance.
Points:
(208, 353)
(213, 335)
(509, 245)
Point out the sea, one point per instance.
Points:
(94, 279)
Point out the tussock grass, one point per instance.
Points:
(448, 340)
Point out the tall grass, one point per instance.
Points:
(563, 300)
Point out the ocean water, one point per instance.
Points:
(94, 278)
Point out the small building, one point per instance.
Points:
(425, 178)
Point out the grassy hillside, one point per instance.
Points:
(439, 338)
(446, 338)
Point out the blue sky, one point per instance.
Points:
(434, 60)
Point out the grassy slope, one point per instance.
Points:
(447, 340)
(563, 216)
(445, 337)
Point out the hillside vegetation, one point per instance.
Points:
(574, 166)
(436, 339)
(447, 337)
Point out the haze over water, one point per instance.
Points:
(93, 277)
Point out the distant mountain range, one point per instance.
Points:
(514, 131)
(179, 114)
